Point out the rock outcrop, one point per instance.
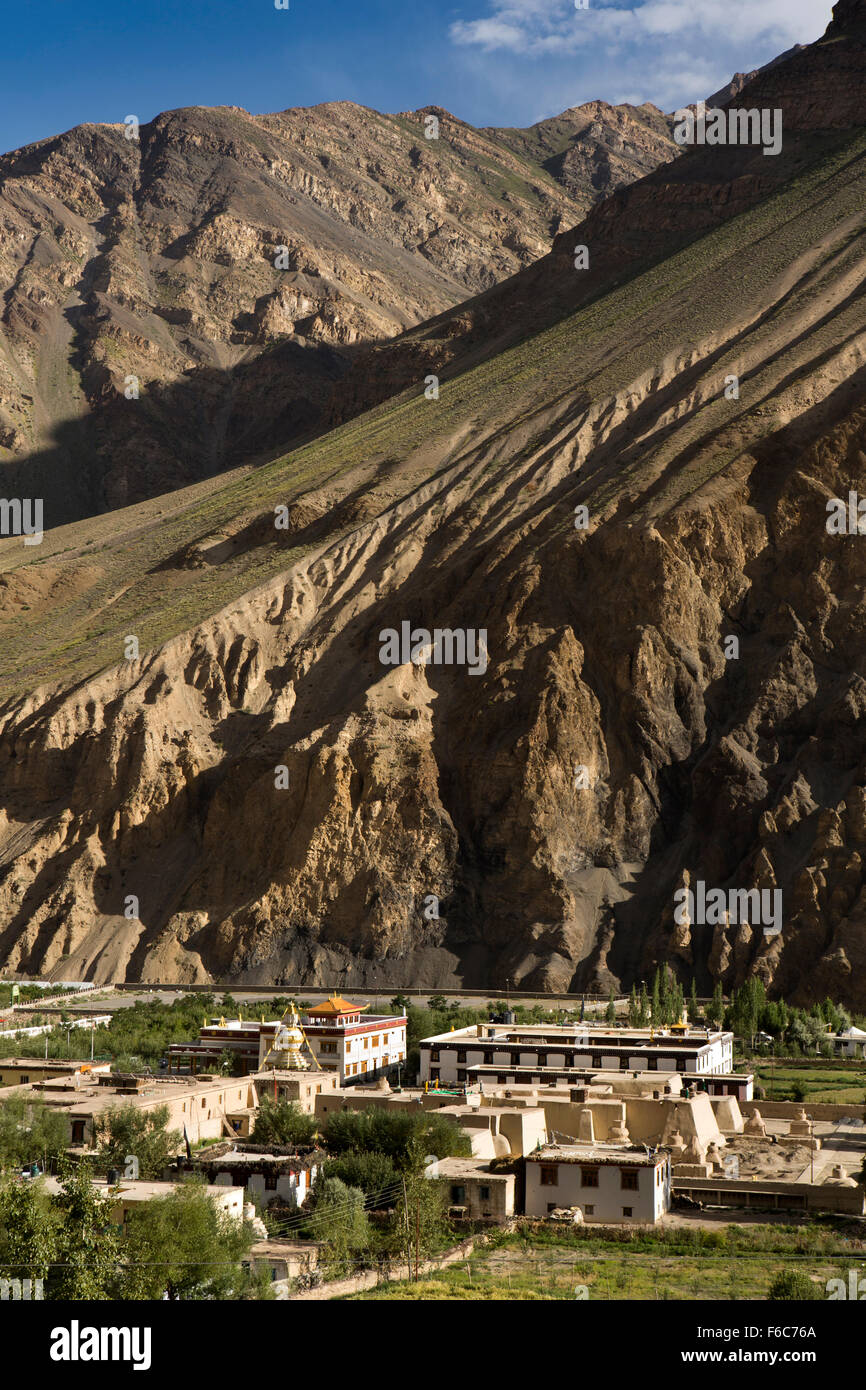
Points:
(619, 500)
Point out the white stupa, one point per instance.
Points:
(287, 1048)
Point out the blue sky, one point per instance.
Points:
(493, 62)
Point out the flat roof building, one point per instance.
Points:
(240, 1038)
(548, 1054)
(274, 1174)
(202, 1108)
(300, 1087)
(607, 1183)
(476, 1191)
(128, 1194)
(24, 1071)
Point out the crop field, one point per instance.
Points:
(841, 1085)
(729, 1263)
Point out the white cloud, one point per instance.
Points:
(555, 27)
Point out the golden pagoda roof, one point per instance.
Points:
(336, 1005)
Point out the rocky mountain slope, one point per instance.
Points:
(674, 677)
(218, 268)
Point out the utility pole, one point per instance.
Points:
(408, 1236)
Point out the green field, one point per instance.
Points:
(731, 1263)
(828, 1085)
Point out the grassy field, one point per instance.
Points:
(730, 1263)
(839, 1085)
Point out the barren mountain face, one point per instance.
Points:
(456, 692)
(216, 269)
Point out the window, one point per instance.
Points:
(434, 1054)
(551, 1206)
(78, 1131)
(628, 1179)
(627, 1211)
(589, 1177)
(461, 1054)
(589, 1210)
(484, 1194)
(461, 1073)
(202, 1102)
(363, 1066)
(270, 1182)
(458, 1196)
(550, 1175)
(328, 1047)
(376, 1041)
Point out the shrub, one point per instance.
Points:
(793, 1286)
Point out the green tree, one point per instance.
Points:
(124, 1130)
(694, 1009)
(656, 1006)
(643, 1006)
(393, 1133)
(283, 1122)
(230, 1063)
(633, 1009)
(29, 1231)
(339, 1220)
(677, 1002)
(184, 1246)
(610, 1014)
(88, 1244)
(716, 1008)
(420, 1227)
(30, 1133)
(374, 1173)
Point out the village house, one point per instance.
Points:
(199, 1108)
(300, 1088)
(126, 1194)
(25, 1071)
(273, 1173)
(606, 1182)
(476, 1191)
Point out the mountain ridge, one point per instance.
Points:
(151, 782)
